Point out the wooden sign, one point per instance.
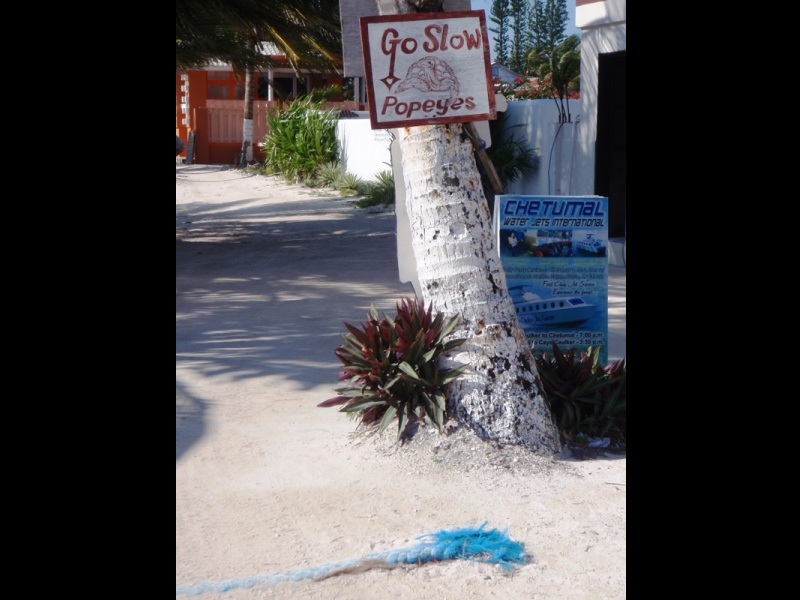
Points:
(427, 69)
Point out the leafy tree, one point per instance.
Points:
(556, 16)
(307, 32)
(560, 72)
(207, 30)
(537, 25)
(519, 47)
(501, 16)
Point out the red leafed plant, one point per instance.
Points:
(586, 399)
(391, 368)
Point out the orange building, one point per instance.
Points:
(209, 107)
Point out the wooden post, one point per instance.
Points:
(494, 179)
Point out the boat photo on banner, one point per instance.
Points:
(554, 253)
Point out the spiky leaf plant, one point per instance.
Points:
(392, 371)
(585, 398)
(300, 138)
(380, 192)
(349, 184)
(329, 173)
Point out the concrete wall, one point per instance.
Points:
(366, 152)
(536, 121)
(603, 29)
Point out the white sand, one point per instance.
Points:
(268, 483)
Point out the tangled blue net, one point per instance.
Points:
(467, 543)
(470, 543)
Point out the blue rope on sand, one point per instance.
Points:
(468, 543)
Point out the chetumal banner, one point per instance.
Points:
(554, 252)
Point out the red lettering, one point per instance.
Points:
(443, 45)
(392, 44)
(389, 101)
(437, 40)
(433, 44)
(389, 46)
(473, 42)
(409, 46)
(439, 107)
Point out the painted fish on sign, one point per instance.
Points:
(427, 68)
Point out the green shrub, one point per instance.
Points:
(301, 138)
(350, 184)
(321, 94)
(391, 368)
(328, 174)
(511, 157)
(380, 192)
(585, 398)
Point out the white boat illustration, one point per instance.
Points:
(534, 310)
(591, 245)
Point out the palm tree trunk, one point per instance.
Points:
(500, 397)
(246, 152)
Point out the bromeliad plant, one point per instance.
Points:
(391, 368)
(584, 397)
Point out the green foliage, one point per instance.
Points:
(511, 156)
(307, 32)
(350, 184)
(518, 44)
(301, 137)
(501, 20)
(585, 398)
(379, 193)
(328, 174)
(391, 368)
(559, 73)
(374, 193)
(321, 94)
(523, 26)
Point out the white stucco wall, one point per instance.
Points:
(603, 30)
(536, 121)
(365, 151)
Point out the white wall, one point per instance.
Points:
(536, 121)
(365, 151)
(603, 30)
